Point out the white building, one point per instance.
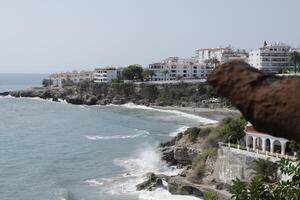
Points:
(75, 76)
(265, 143)
(106, 75)
(174, 68)
(270, 58)
(221, 54)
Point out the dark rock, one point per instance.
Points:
(90, 100)
(55, 99)
(178, 186)
(46, 94)
(4, 93)
(268, 102)
(103, 102)
(75, 99)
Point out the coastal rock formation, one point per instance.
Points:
(270, 103)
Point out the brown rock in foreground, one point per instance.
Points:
(270, 103)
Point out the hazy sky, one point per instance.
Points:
(44, 36)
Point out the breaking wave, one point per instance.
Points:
(179, 130)
(142, 133)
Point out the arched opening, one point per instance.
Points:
(268, 145)
(259, 143)
(288, 149)
(277, 146)
(250, 141)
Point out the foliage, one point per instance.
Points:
(148, 74)
(198, 164)
(67, 82)
(84, 86)
(294, 59)
(133, 72)
(238, 190)
(265, 170)
(232, 129)
(192, 134)
(210, 196)
(165, 72)
(47, 82)
(257, 189)
(295, 147)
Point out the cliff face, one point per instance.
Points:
(270, 103)
(180, 94)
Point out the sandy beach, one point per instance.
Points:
(215, 114)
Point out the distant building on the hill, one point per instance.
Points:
(222, 55)
(174, 68)
(106, 74)
(75, 76)
(271, 58)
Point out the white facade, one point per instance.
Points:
(106, 75)
(75, 76)
(270, 58)
(173, 67)
(221, 54)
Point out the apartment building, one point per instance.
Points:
(270, 58)
(75, 76)
(220, 54)
(106, 74)
(173, 68)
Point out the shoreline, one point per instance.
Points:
(210, 113)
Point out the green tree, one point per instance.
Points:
(67, 82)
(47, 82)
(148, 74)
(165, 72)
(294, 59)
(133, 72)
(265, 170)
(232, 129)
(257, 189)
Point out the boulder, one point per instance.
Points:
(74, 99)
(270, 103)
(89, 100)
(178, 186)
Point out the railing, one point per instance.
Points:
(256, 151)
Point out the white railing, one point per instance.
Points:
(257, 151)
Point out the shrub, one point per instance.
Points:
(192, 134)
(210, 196)
(198, 164)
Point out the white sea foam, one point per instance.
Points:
(179, 130)
(140, 133)
(176, 112)
(147, 160)
(160, 193)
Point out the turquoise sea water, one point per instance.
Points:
(57, 151)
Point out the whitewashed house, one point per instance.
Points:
(270, 58)
(75, 76)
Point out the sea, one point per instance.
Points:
(58, 151)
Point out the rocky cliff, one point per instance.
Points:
(179, 94)
(270, 103)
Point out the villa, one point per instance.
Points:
(75, 76)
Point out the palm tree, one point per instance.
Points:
(294, 59)
(165, 72)
(265, 169)
(238, 189)
(151, 74)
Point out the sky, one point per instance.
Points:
(45, 36)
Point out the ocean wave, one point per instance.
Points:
(141, 133)
(176, 112)
(148, 159)
(179, 130)
(160, 193)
